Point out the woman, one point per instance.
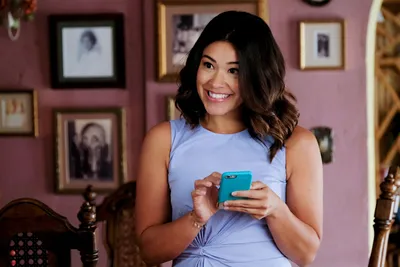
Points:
(236, 116)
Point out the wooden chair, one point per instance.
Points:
(385, 211)
(117, 213)
(32, 234)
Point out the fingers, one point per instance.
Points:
(215, 178)
(209, 181)
(202, 183)
(258, 185)
(254, 212)
(246, 203)
(199, 192)
(252, 194)
(256, 208)
(258, 190)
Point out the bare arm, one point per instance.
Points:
(297, 225)
(159, 239)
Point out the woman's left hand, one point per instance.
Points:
(261, 201)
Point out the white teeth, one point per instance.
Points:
(217, 96)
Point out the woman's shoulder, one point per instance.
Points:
(302, 150)
(301, 137)
(160, 129)
(165, 132)
(159, 135)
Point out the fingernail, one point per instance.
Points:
(234, 193)
(226, 203)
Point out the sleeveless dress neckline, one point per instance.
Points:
(202, 128)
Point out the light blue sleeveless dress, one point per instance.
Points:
(229, 238)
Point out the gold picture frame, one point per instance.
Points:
(171, 13)
(172, 112)
(90, 149)
(322, 44)
(19, 113)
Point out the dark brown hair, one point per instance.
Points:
(268, 108)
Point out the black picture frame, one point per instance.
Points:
(58, 22)
(317, 3)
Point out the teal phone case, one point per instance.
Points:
(233, 181)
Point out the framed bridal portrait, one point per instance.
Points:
(180, 23)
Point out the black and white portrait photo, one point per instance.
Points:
(322, 45)
(87, 52)
(90, 150)
(187, 29)
(90, 145)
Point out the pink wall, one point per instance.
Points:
(333, 98)
(26, 164)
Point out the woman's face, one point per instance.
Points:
(217, 79)
(87, 43)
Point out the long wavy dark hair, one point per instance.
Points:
(268, 108)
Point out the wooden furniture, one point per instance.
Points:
(32, 234)
(385, 212)
(117, 212)
(387, 89)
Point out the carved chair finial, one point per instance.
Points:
(87, 216)
(89, 195)
(391, 183)
(87, 213)
(395, 170)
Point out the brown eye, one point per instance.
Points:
(234, 71)
(208, 65)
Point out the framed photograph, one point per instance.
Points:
(172, 112)
(89, 149)
(87, 51)
(180, 23)
(18, 113)
(322, 45)
(324, 136)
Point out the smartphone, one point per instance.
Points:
(231, 182)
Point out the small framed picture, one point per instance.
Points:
(18, 113)
(180, 23)
(87, 51)
(89, 147)
(322, 45)
(172, 112)
(324, 136)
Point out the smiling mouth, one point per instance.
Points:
(217, 97)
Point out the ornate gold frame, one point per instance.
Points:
(162, 72)
(59, 166)
(35, 117)
(302, 54)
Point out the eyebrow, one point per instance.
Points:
(213, 60)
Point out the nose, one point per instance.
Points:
(217, 80)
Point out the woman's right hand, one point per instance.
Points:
(205, 197)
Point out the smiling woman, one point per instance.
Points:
(237, 116)
(217, 79)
